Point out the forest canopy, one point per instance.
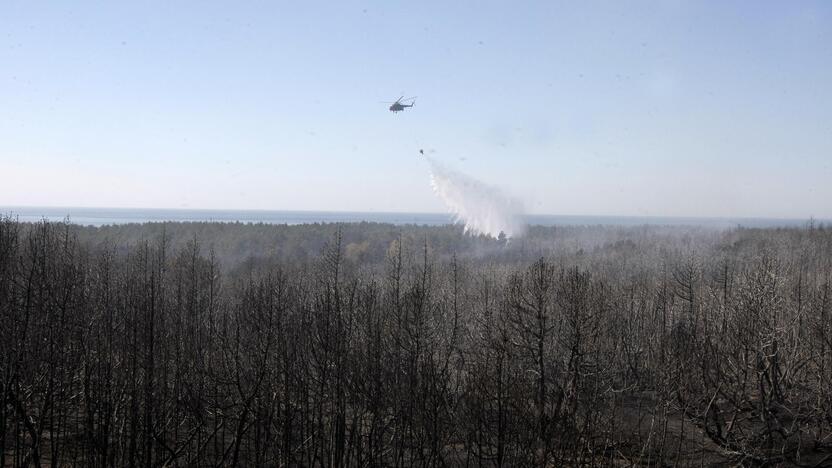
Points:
(182, 344)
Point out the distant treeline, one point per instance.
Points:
(368, 243)
(209, 344)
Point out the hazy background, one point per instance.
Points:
(654, 108)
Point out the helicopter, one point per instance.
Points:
(398, 106)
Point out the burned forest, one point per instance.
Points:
(210, 344)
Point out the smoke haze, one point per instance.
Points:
(481, 208)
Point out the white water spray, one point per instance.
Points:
(481, 208)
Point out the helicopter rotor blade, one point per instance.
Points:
(398, 101)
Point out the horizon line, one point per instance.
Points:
(8, 209)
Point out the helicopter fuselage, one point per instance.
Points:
(398, 107)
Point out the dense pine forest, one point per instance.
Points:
(368, 345)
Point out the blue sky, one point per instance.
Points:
(608, 108)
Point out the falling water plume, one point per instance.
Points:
(481, 208)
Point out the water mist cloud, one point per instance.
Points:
(481, 208)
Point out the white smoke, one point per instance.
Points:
(481, 208)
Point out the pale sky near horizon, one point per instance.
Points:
(664, 108)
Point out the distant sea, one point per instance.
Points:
(107, 216)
